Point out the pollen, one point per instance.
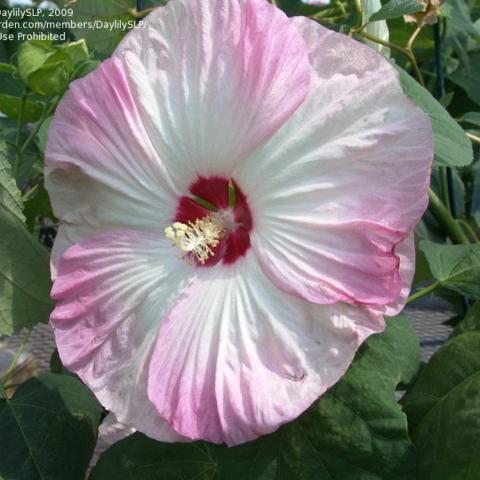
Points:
(196, 240)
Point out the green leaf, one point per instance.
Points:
(422, 270)
(473, 118)
(10, 195)
(105, 35)
(475, 201)
(77, 51)
(443, 409)
(467, 76)
(446, 99)
(298, 7)
(11, 85)
(24, 277)
(456, 267)
(56, 365)
(85, 67)
(452, 146)
(42, 133)
(38, 205)
(360, 410)
(396, 8)
(7, 68)
(32, 55)
(24, 263)
(459, 192)
(44, 67)
(10, 106)
(106, 8)
(400, 32)
(50, 79)
(30, 27)
(458, 187)
(48, 430)
(471, 321)
(355, 431)
(459, 19)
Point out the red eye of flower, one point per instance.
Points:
(213, 224)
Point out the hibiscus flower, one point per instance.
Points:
(237, 193)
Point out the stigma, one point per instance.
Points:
(197, 240)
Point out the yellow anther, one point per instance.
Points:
(170, 232)
(197, 239)
(180, 226)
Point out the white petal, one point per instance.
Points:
(214, 79)
(343, 181)
(102, 171)
(112, 291)
(235, 358)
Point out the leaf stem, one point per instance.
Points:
(446, 220)
(424, 291)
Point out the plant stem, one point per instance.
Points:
(342, 7)
(359, 9)
(412, 38)
(416, 69)
(359, 26)
(375, 39)
(473, 138)
(466, 226)
(446, 220)
(327, 13)
(409, 54)
(46, 112)
(16, 357)
(444, 186)
(423, 292)
(358, 29)
(440, 84)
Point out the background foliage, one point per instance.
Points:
(359, 429)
